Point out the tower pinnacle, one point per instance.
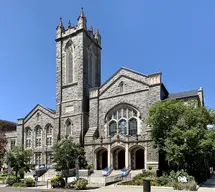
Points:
(82, 21)
(60, 25)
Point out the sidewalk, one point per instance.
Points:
(209, 185)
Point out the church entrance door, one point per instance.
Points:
(119, 158)
(137, 158)
(101, 157)
(140, 159)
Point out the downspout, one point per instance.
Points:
(61, 66)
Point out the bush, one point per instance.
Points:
(10, 180)
(57, 182)
(192, 186)
(29, 182)
(89, 166)
(163, 181)
(18, 185)
(80, 184)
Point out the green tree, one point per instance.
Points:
(65, 153)
(3, 143)
(19, 159)
(178, 130)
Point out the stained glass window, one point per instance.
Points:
(112, 128)
(132, 126)
(122, 127)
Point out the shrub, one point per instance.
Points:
(192, 186)
(89, 166)
(10, 180)
(150, 167)
(179, 186)
(80, 184)
(18, 185)
(58, 182)
(163, 181)
(29, 182)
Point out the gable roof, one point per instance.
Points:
(40, 106)
(129, 70)
(182, 95)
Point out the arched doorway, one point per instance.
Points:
(101, 159)
(118, 158)
(137, 158)
(140, 164)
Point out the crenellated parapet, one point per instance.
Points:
(62, 32)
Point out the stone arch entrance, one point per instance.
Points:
(101, 158)
(118, 158)
(137, 157)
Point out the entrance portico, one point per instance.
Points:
(120, 157)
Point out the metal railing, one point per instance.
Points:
(113, 179)
(127, 178)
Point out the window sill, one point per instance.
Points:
(69, 85)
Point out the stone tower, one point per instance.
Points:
(78, 66)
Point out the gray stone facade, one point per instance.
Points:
(86, 110)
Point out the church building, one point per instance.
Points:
(109, 119)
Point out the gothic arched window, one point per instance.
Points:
(28, 137)
(38, 136)
(49, 132)
(112, 128)
(90, 65)
(69, 62)
(121, 87)
(122, 120)
(132, 126)
(68, 127)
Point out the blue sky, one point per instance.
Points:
(176, 38)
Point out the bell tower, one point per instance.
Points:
(78, 68)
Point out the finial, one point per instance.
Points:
(69, 25)
(97, 32)
(82, 12)
(91, 28)
(60, 25)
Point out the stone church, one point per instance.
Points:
(108, 119)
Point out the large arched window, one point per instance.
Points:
(69, 62)
(122, 120)
(38, 136)
(28, 137)
(68, 127)
(91, 67)
(49, 131)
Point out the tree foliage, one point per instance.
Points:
(19, 159)
(179, 131)
(3, 143)
(65, 154)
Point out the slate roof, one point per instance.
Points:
(7, 126)
(181, 95)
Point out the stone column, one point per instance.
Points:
(145, 156)
(95, 161)
(109, 156)
(126, 155)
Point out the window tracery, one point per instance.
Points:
(122, 120)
